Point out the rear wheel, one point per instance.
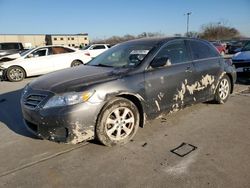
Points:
(15, 74)
(223, 90)
(118, 122)
(76, 63)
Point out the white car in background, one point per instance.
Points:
(95, 49)
(42, 60)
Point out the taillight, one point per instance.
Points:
(87, 53)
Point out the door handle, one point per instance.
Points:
(188, 69)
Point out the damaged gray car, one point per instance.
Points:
(118, 91)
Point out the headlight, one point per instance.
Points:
(68, 99)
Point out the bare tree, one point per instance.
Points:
(218, 31)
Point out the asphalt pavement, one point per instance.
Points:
(205, 145)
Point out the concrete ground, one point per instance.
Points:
(220, 133)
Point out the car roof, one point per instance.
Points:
(159, 40)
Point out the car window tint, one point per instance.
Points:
(39, 53)
(97, 47)
(176, 52)
(61, 50)
(201, 50)
(9, 46)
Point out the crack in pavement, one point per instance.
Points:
(42, 160)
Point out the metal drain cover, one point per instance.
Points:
(183, 149)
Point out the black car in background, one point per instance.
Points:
(119, 90)
(235, 46)
(8, 48)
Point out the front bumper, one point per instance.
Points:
(70, 124)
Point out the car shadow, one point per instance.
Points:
(11, 113)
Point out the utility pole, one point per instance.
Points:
(188, 14)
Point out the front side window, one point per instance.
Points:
(126, 55)
(40, 52)
(201, 50)
(175, 51)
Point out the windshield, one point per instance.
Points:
(86, 47)
(246, 47)
(25, 52)
(124, 55)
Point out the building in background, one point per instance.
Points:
(35, 40)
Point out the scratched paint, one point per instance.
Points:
(80, 135)
(206, 81)
(158, 106)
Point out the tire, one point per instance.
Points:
(76, 63)
(15, 74)
(223, 90)
(118, 122)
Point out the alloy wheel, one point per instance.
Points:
(120, 123)
(224, 89)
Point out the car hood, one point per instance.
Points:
(242, 56)
(76, 78)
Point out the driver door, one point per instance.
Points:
(165, 86)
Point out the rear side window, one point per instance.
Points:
(201, 50)
(61, 50)
(9, 46)
(97, 47)
(176, 52)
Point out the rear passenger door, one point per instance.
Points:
(62, 57)
(206, 61)
(165, 87)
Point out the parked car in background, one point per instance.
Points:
(95, 49)
(241, 60)
(119, 90)
(221, 49)
(42, 60)
(8, 48)
(236, 46)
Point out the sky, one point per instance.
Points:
(105, 18)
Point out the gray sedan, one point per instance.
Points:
(115, 93)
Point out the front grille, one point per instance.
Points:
(32, 101)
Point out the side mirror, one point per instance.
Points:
(30, 56)
(160, 62)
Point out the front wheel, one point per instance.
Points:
(223, 90)
(118, 122)
(15, 74)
